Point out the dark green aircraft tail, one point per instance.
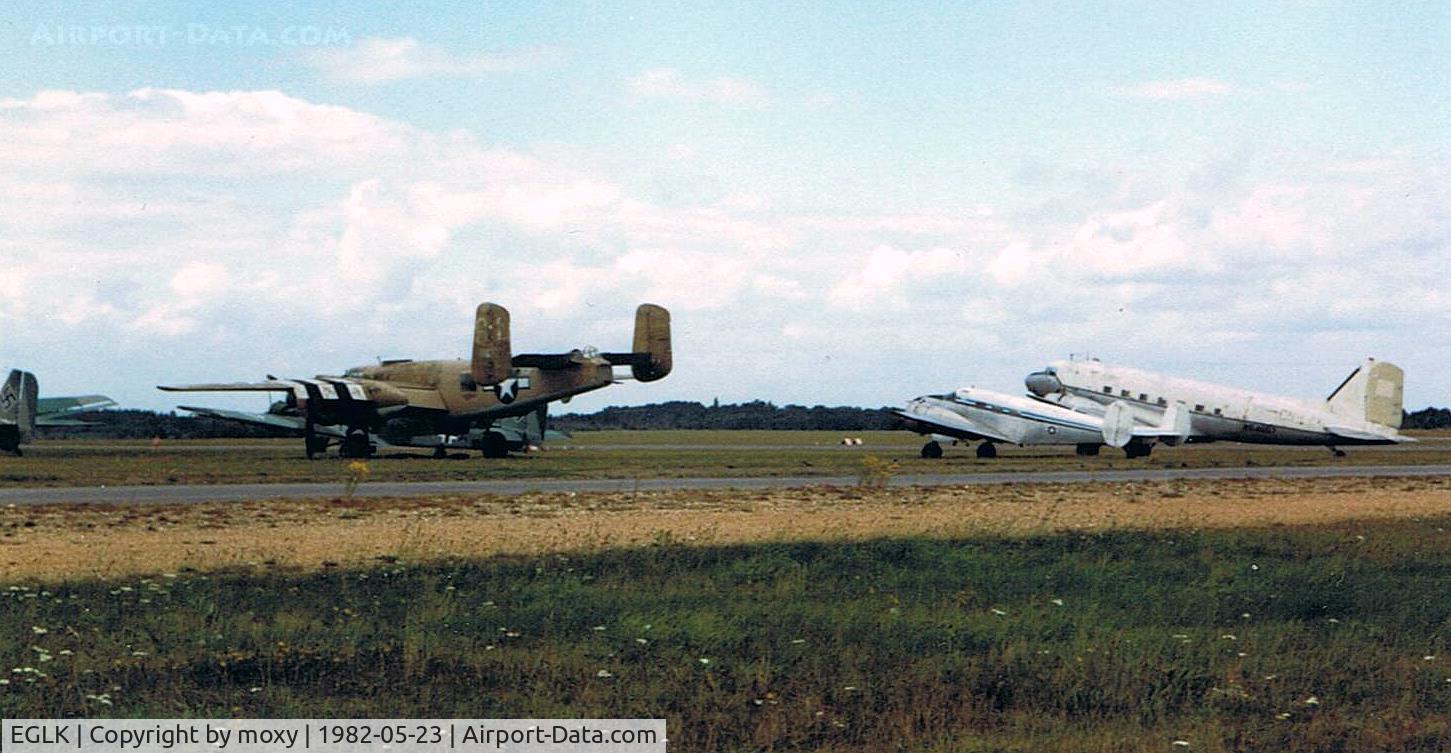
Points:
(18, 399)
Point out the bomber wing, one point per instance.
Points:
(271, 385)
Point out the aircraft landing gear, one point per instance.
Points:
(1339, 453)
(1086, 449)
(440, 452)
(1136, 450)
(932, 450)
(356, 445)
(494, 445)
(315, 445)
(987, 450)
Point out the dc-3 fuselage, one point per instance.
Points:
(1089, 403)
(493, 402)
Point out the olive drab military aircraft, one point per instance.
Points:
(493, 402)
(1364, 410)
(22, 409)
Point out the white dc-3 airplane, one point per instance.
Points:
(1096, 403)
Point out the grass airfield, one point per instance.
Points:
(1229, 615)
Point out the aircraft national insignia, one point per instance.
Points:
(7, 398)
(508, 390)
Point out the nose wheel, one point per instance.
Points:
(987, 451)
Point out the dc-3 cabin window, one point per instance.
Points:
(1124, 393)
(1161, 401)
(1216, 411)
(1198, 409)
(1144, 397)
(1107, 390)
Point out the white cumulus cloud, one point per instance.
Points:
(376, 60)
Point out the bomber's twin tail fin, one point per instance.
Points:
(492, 356)
(651, 357)
(1371, 393)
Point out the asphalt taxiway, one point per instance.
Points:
(182, 494)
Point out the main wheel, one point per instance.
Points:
(1086, 449)
(494, 445)
(315, 446)
(356, 445)
(440, 452)
(987, 450)
(1136, 450)
(932, 450)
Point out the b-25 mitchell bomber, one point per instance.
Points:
(22, 409)
(1364, 410)
(486, 403)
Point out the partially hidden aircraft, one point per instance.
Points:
(996, 418)
(494, 402)
(1364, 410)
(22, 409)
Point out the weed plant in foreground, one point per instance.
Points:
(1286, 639)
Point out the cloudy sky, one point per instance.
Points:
(841, 203)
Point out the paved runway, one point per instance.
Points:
(235, 492)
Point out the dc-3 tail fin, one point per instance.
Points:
(492, 356)
(1371, 393)
(650, 358)
(18, 399)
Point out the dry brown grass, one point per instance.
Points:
(63, 542)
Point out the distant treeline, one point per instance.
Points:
(1428, 418)
(757, 414)
(145, 424)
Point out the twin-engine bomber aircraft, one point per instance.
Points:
(456, 404)
(22, 409)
